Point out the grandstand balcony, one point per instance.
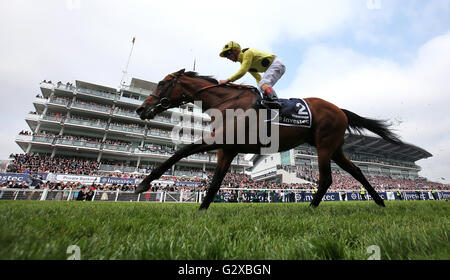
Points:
(117, 168)
(46, 88)
(166, 135)
(241, 162)
(82, 123)
(95, 93)
(165, 121)
(22, 139)
(117, 148)
(51, 123)
(200, 157)
(43, 139)
(32, 119)
(40, 103)
(140, 91)
(64, 89)
(76, 144)
(198, 174)
(83, 107)
(152, 154)
(128, 101)
(59, 102)
(128, 114)
(245, 162)
(52, 118)
(122, 128)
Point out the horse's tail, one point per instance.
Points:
(357, 123)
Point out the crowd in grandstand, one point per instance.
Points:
(28, 163)
(24, 132)
(25, 163)
(128, 125)
(61, 99)
(84, 119)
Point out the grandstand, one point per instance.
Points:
(98, 124)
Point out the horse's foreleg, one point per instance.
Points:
(224, 160)
(343, 162)
(325, 178)
(182, 153)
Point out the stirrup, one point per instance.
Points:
(272, 104)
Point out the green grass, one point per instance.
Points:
(336, 230)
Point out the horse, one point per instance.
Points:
(326, 134)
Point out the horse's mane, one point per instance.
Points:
(193, 74)
(210, 79)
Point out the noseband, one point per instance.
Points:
(165, 102)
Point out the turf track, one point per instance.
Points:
(336, 230)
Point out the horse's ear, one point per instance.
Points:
(180, 72)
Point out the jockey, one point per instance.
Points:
(255, 62)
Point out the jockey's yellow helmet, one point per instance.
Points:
(228, 48)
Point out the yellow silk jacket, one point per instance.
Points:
(254, 62)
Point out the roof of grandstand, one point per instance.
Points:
(138, 83)
(375, 145)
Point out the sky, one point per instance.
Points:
(378, 58)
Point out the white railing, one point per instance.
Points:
(224, 195)
(97, 195)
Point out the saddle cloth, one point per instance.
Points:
(293, 112)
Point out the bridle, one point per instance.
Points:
(165, 101)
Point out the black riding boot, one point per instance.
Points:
(271, 100)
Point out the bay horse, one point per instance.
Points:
(326, 133)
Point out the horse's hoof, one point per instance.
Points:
(380, 203)
(203, 208)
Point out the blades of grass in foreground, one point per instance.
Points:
(102, 230)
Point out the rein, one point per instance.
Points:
(165, 102)
(235, 86)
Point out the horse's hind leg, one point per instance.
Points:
(340, 159)
(224, 160)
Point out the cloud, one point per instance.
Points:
(353, 58)
(414, 95)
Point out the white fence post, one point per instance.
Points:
(44, 194)
(117, 195)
